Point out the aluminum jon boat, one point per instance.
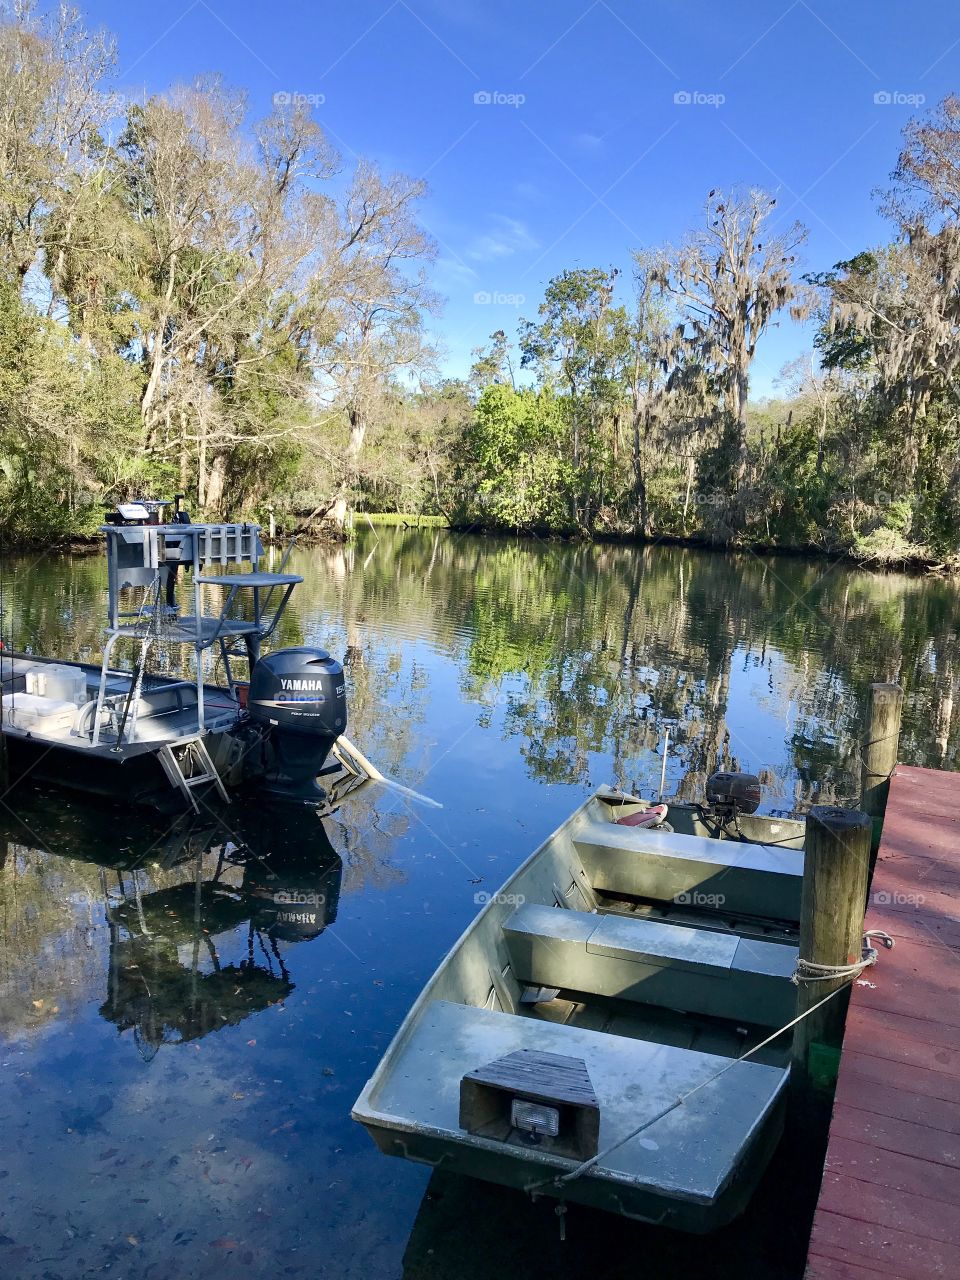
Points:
(618, 969)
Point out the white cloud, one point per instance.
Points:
(587, 141)
(453, 271)
(508, 236)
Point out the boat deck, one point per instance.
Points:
(168, 711)
(695, 1147)
(890, 1200)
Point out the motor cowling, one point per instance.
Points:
(299, 697)
(734, 793)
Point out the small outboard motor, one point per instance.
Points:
(730, 794)
(299, 696)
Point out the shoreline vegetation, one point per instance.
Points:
(81, 544)
(195, 300)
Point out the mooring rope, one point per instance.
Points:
(808, 971)
(860, 747)
(560, 1180)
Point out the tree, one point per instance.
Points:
(376, 297)
(895, 311)
(648, 351)
(575, 349)
(493, 365)
(516, 464)
(51, 115)
(230, 232)
(730, 285)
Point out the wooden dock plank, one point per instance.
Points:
(897, 1210)
(916, 1041)
(924, 928)
(890, 1199)
(899, 1104)
(887, 1133)
(869, 1163)
(864, 1070)
(921, 979)
(900, 1254)
(830, 1269)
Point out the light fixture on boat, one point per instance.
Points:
(534, 1096)
(534, 1120)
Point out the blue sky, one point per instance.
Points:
(583, 153)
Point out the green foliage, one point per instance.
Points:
(68, 426)
(188, 308)
(515, 470)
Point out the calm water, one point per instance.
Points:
(177, 1066)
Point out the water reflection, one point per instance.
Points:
(209, 951)
(201, 914)
(574, 651)
(506, 679)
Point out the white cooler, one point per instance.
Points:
(58, 681)
(33, 714)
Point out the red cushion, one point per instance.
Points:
(645, 817)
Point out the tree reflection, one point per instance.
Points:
(200, 915)
(575, 651)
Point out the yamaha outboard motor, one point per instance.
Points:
(298, 695)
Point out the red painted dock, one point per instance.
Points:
(890, 1201)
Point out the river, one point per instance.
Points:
(176, 1072)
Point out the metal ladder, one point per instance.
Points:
(194, 751)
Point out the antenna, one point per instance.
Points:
(663, 765)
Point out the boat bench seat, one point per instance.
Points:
(740, 878)
(668, 965)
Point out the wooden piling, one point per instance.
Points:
(880, 751)
(836, 873)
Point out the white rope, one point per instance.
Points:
(808, 971)
(587, 1165)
